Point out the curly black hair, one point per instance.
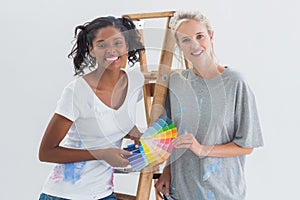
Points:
(86, 33)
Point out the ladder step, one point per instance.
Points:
(150, 15)
(150, 75)
(125, 196)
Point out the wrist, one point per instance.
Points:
(203, 151)
(197, 149)
(166, 170)
(98, 154)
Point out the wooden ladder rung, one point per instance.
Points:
(150, 75)
(150, 15)
(121, 196)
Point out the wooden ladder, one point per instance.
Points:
(157, 90)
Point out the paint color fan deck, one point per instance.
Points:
(155, 145)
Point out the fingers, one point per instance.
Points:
(185, 136)
(182, 141)
(125, 163)
(136, 142)
(166, 189)
(159, 194)
(120, 163)
(116, 157)
(185, 143)
(135, 135)
(158, 189)
(162, 187)
(178, 146)
(125, 153)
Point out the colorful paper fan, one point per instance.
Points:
(155, 144)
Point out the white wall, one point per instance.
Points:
(259, 38)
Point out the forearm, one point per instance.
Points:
(225, 150)
(135, 132)
(67, 155)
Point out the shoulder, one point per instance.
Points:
(179, 79)
(134, 73)
(233, 74)
(135, 76)
(234, 77)
(238, 81)
(76, 89)
(184, 74)
(72, 84)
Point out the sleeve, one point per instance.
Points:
(247, 127)
(66, 105)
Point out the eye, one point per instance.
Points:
(185, 40)
(118, 43)
(199, 37)
(101, 45)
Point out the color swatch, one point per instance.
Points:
(155, 144)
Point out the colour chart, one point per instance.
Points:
(155, 144)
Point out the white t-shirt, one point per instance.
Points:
(95, 126)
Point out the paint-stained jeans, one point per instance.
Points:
(48, 197)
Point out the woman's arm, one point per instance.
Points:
(50, 151)
(224, 150)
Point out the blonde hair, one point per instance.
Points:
(184, 16)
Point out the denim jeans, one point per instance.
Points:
(49, 197)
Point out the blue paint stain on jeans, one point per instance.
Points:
(49, 197)
(44, 196)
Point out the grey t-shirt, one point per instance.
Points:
(217, 111)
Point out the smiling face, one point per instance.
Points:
(195, 41)
(109, 48)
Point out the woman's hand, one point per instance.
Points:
(135, 135)
(188, 141)
(113, 156)
(162, 186)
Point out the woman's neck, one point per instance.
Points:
(106, 79)
(210, 72)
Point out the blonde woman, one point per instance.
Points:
(215, 112)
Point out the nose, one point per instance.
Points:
(194, 44)
(111, 49)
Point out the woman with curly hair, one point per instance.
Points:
(94, 113)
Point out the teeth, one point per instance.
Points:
(197, 53)
(112, 58)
